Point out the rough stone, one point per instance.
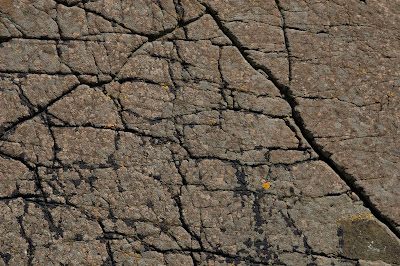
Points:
(29, 56)
(199, 132)
(33, 19)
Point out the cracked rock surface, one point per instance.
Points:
(199, 132)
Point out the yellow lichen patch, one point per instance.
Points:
(242, 88)
(165, 86)
(137, 256)
(212, 122)
(108, 96)
(126, 254)
(266, 185)
(358, 217)
(363, 70)
(122, 167)
(111, 125)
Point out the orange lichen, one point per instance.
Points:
(266, 185)
(368, 215)
(111, 125)
(165, 86)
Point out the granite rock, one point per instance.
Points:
(199, 132)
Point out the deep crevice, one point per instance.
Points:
(287, 46)
(4, 40)
(31, 247)
(108, 246)
(20, 195)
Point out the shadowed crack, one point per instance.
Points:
(287, 46)
(36, 113)
(108, 246)
(151, 38)
(4, 40)
(288, 95)
(31, 247)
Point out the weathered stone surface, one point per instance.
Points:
(357, 101)
(33, 56)
(142, 16)
(12, 108)
(370, 245)
(16, 178)
(78, 56)
(30, 18)
(41, 90)
(31, 140)
(199, 132)
(72, 21)
(86, 106)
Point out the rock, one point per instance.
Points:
(199, 132)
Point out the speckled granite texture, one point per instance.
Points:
(199, 132)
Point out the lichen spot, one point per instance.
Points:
(266, 185)
(165, 86)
